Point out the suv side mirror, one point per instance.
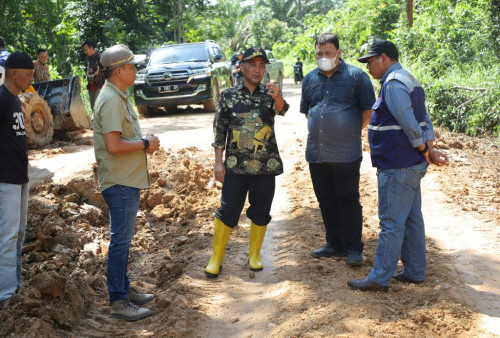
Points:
(219, 58)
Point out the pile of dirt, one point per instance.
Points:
(64, 256)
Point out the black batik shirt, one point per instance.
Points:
(244, 127)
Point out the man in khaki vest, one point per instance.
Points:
(120, 152)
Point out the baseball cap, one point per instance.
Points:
(116, 56)
(379, 48)
(253, 52)
(19, 60)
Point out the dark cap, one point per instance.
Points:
(253, 52)
(19, 60)
(117, 55)
(379, 48)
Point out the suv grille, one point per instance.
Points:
(168, 77)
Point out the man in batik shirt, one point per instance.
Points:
(244, 128)
(41, 66)
(95, 75)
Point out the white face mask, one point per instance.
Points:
(326, 64)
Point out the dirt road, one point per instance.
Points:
(295, 295)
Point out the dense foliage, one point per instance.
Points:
(453, 46)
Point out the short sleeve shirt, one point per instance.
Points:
(334, 106)
(244, 127)
(95, 76)
(41, 72)
(114, 112)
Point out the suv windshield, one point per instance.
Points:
(183, 53)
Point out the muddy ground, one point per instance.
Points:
(64, 258)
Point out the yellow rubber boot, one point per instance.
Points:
(221, 237)
(257, 233)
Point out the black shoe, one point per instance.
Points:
(402, 278)
(366, 285)
(213, 275)
(354, 258)
(327, 251)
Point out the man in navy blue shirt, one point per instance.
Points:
(337, 99)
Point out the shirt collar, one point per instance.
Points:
(261, 87)
(123, 95)
(391, 69)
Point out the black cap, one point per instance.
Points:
(379, 48)
(19, 60)
(253, 52)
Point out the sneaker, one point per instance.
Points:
(139, 298)
(126, 310)
(327, 251)
(354, 258)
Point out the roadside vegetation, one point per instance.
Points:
(451, 46)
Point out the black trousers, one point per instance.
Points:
(336, 186)
(260, 189)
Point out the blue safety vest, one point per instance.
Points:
(389, 146)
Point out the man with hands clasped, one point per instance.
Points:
(244, 128)
(120, 153)
(400, 134)
(337, 101)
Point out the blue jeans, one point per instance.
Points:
(123, 203)
(13, 212)
(402, 224)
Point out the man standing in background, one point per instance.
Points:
(4, 54)
(95, 77)
(14, 190)
(41, 66)
(336, 99)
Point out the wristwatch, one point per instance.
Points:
(146, 143)
(426, 148)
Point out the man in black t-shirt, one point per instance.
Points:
(13, 173)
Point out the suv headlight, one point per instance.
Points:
(140, 77)
(201, 73)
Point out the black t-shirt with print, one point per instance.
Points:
(13, 144)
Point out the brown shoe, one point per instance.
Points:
(366, 285)
(402, 278)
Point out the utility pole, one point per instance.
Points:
(180, 8)
(409, 13)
